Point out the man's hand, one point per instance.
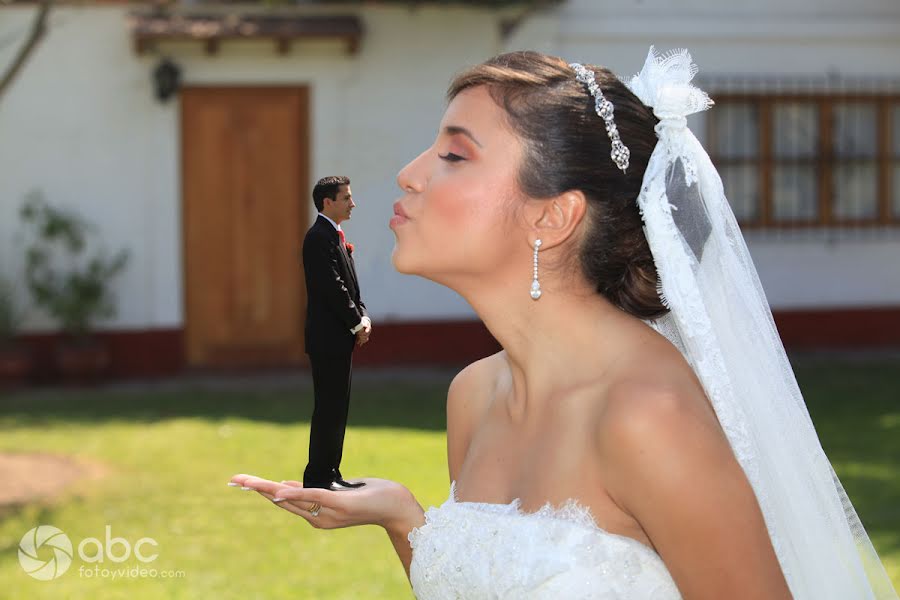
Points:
(362, 336)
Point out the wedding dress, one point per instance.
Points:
(478, 550)
(720, 320)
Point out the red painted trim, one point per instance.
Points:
(143, 353)
(160, 352)
(435, 343)
(839, 328)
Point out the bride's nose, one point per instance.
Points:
(411, 178)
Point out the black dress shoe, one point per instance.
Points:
(322, 485)
(346, 484)
(339, 479)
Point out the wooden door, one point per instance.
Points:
(245, 183)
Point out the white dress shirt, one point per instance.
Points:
(365, 320)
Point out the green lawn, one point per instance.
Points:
(171, 451)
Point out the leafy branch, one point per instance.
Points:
(78, 294)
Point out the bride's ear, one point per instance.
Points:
(554, 220)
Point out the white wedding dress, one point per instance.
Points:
(479, 550)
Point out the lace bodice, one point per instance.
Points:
(478, 550)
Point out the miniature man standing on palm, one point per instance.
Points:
(336, 322)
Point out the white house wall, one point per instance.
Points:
(81, 125)
(769, 38)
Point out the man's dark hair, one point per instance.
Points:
(327, 187)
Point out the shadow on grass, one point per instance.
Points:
(403, 405)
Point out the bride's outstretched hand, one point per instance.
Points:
(379, 502)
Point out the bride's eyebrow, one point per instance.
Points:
(457, 130)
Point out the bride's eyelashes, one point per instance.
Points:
(450, 157)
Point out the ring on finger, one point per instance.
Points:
(314, 509)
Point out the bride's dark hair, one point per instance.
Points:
(567, 148)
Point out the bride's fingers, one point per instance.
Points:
(304, 506)
(293, 497)
(238, 479)
(246, 480)
(302, 509)
(271, 490)
(261, 485)
(299, 495)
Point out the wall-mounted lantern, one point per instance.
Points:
(167, 78)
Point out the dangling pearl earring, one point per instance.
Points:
(535, 286)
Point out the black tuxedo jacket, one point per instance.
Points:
(334, 306)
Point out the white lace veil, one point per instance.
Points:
(720, 320)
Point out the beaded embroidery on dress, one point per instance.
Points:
(476, 550)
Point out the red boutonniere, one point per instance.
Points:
(349, 247)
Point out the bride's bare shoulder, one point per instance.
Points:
(667, 463)
(468, 398)
(656, 426)
(655, 394)
(470, 390)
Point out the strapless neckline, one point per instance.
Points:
(497, 551)
(571, 511)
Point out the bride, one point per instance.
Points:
(641, 434)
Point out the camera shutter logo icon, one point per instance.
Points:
(49, 565)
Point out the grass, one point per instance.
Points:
(856, 411)
(170, 452)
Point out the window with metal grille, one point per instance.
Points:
(804, 160)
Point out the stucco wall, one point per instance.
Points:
(82, 126)
(768, 39)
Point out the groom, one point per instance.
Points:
(336, 321)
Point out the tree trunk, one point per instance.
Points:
(38, 28)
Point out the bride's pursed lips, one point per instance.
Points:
(400, 215)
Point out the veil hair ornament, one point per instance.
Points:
(720, 320)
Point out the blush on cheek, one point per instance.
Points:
(459, 207)
(466, 238)
(465, 209)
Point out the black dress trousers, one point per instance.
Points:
(332, 377)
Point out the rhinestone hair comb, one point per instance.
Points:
(604, 109)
